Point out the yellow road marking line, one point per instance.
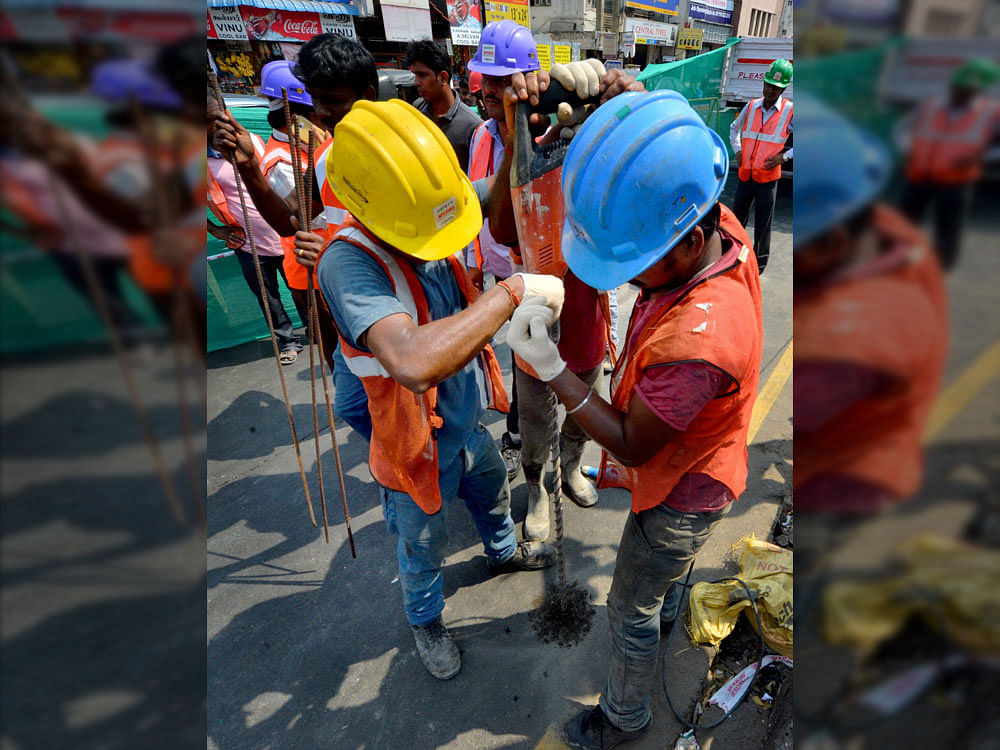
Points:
(963, 390)
(770, 392)
(552, 740)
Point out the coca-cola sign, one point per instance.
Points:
(280, 25)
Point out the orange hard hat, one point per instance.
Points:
(475, 81)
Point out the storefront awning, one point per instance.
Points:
(302, 6)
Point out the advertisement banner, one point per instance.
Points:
(669, 7)
(404, 24)
(335, 23)
(464, 17)
(545, 56)
(516, 11)
(713, 11)
(228, 24)
(690, 38)
(652, 32)
(628, 44)
(563, 54)
(609, 42)
(271, 25)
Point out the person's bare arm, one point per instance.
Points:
(633, 438)
(420, 357)
(229, 137)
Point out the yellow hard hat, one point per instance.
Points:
(396, 172)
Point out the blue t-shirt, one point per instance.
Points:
(359, 294)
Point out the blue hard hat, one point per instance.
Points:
(829, 187)
(118, 81)
(642, 171)
(277, 74)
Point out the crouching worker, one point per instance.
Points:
(416, 331)
(642, 181)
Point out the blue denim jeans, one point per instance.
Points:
(479, 477)
(656, 548)
(350, 402)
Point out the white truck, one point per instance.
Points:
(746, 65)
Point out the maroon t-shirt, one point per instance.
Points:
(677, 393)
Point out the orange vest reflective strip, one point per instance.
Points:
(403, 451)
(334, 212)
(941, 144)
(279, 152)
(896, 323)
(760, 140)
(718, 321)
(480, 166)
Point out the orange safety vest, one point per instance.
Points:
(719, 321)
(894, 322)
(279, 152)
(403, 452)
(480, 166)
(760, 140)
(334, 212)
(941, 144)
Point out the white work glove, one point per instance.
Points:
(550, 288)
(528, 336)
(583, 77)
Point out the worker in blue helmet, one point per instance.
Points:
(642, 180)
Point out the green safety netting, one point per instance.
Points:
(699, 79)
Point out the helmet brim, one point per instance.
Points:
(779, 84)
(446, 241)
(498, 70)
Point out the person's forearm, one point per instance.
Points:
(598, 418)
(275, 210)
(500, 207)
(423, 356)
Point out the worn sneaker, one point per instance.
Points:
(527, 556)
(437, 649)
(510, 451)
(591, 730)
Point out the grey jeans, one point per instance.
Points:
(538, 413)
(656, 548)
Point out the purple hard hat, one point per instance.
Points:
(277, 74)
(118, 81)
(505, 47)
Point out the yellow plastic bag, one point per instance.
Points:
(767, 571)
(950, 583)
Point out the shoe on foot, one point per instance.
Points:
(577, 487)
(527, 556)
(591, 730)
(510, 451)
(437, 649)
(536, 522)
(288, 356)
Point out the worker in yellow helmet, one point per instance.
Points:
(416, 331)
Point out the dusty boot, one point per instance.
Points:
(577, 487)
(536, 523)
(437, 650)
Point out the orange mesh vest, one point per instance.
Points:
(334, 212)
(718, 321)
(893, 322)
(941, 145)
(279, 152)
(760, 139)
(403, 453)
(480, 166)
